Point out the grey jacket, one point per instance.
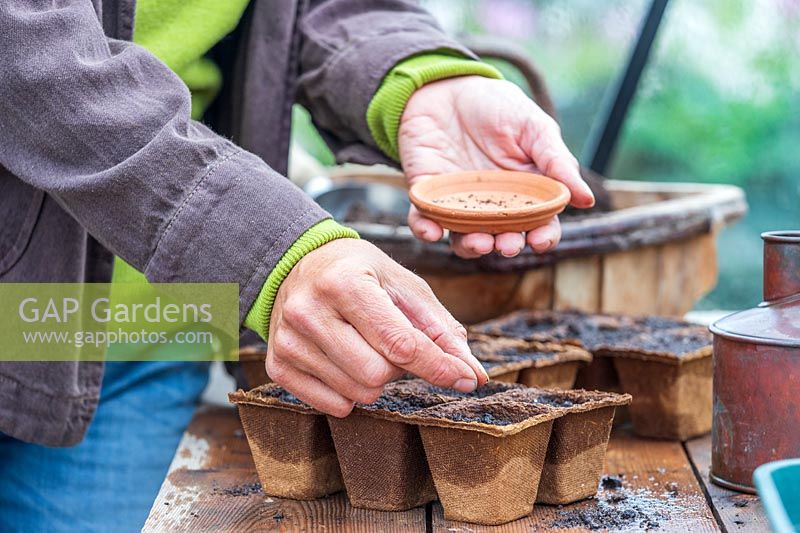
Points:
(98, 156)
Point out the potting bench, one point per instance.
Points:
(212, 486)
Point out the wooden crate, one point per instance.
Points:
(654, 254)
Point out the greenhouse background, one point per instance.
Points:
(719, 101)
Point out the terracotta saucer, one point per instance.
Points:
(489, 201)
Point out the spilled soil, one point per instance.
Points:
(246, 489)
(619, 507)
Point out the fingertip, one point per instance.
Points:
(483, 376)
(545, 238)
(423, 228)
(479, 243)
(509, 244)
(465, 385)
(583, 197)
(339, 410)
(457, 245)
(431, 232)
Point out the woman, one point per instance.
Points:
(100, 157)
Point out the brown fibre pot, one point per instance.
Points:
(668, 372)
(555, 376)
(382, 460)
(757, 373)
(670, 401)
(496, 481)
(253, 360)
(290, 442)
(577, 449)
(489, 201)
(534, 364)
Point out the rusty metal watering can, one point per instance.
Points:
(757, 372)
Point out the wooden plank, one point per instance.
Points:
(535, 290)
(688, 271)
(657, 478)
(472, 298)
(706, 262)
(736, 511)
(676, 293)
(631, 282)
(577, 284)
(212, 486)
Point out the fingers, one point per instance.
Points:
(545, 237)
(347, 349)
(417, 301)
(423, 229)
(309, 389)
(509, 244)
(547, 150)
(471, 245)
(314, 362)
(374, 315)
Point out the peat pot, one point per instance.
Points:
(757, 373)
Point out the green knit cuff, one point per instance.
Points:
(386, 107)
(321, 233)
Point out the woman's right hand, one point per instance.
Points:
(348, 319)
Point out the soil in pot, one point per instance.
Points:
(542, 326)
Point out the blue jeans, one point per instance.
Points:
(109, 481)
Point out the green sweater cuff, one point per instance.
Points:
(321, 233)
(387, 106)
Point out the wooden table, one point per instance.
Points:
(212, 486)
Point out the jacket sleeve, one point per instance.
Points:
(103, 127)
(347, 48)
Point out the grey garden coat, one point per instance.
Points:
(98, 156)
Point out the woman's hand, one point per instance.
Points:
(473, 123)
(347, 320)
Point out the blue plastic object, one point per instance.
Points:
(778, 485)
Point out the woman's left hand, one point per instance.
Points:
(473, 123)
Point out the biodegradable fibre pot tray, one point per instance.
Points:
(291, 444)
(489, 201)
(664, 363)
(532, 363)
(407, 447)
